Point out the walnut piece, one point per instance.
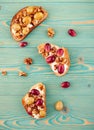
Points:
(53, 49)
(51, 32)
(45, 54)
(60, 59)
(55, 67)
(28, 61)
(22, 73)
(57, 59)
(41, 86)
(4, 73)
(35, 111)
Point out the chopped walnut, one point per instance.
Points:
(57, 59)
(24, 13)
(28, 61)
(53, 49)
(16, 20)
(22, 74)
(60, 59)
(20, 20)
(55, 67)
(42, 50)
(4, 73)
(35, 10)
(41, 86)
(51, 32)
(45, 54)
(35, 111)
(35, 22)
(39, 9)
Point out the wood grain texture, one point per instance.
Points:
(47, 1)
(78, 99)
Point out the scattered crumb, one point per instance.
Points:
(4, 73)
(28, 61)
(22, 74)
(51, 32)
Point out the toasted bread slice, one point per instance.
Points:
(25, 20)
(34, 101)
(58, 58)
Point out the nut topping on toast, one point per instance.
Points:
(34, 101)
(25, 20)
(56, 57)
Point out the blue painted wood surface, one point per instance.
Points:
(79, 98)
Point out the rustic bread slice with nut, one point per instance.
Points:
(25, 20)
(34, 101)
(58, 58)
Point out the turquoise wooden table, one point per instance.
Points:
(79, 98)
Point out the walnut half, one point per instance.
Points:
(28, 61)
(51, 32)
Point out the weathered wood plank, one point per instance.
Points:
(14, 85)
(57, 11)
